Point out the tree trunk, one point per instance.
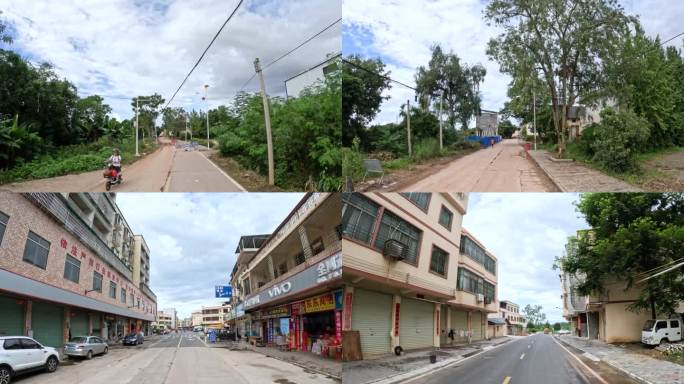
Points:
(653, 309)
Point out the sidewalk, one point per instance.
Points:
(572, 176)
(394, 369)
(306, 360)
(641, 367)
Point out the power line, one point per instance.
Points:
(377, 74)
(204, 53)
(672, 38)
(291, 51)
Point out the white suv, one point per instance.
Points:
(21, 353)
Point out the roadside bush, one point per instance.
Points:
(618, 139)
(584, 144)
(352, 161)
(426, 149)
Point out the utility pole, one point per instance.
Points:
(267, 119)
(186, 128)
(534, 117)
(206, 87)
(137, 99)
(408, 124)
(441, 100)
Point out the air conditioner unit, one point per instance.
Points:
(480, 297)
(395, 249)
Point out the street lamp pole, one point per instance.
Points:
(206, 87)
(534, 115)
(137, 125)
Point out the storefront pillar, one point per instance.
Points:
(438, 326)
(396, 319)
(66, 324)
(90, 324)
(28, 308)
(347, 308)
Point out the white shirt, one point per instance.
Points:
(115, 160)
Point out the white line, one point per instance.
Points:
(179, 341)
(224, 174)
(522, 356)
(581, 362)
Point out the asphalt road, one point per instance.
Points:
(168, 169)
(534, 359)
(503, 168)
(175, 359)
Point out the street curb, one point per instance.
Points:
(430, 369)
(626, 372)
(547, 173)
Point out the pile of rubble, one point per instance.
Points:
(671, 349)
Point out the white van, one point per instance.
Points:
(656, 331)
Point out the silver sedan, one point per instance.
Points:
(85, 346)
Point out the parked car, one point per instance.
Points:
(85, 346)
(19, 354)
(656, 331)
(563, 332)
(133, 339)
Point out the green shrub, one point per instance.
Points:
(426, 149)
(618, 139)
(352, 161)
(586, 140)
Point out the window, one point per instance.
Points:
(112, 290)
(674, 323)
(489, 292)
(29, 344)
(11, 344)
(421, 199)
(132, 299)
(317, 246)
(282, 269)
(97, 282)
(393, 227)
(36, 250)
(138, 303)
(470, 282)
(72, 269)
(300, 258)
(475, 252)
(660, 325)
(358, 216)
(3, 225)
(247, 286)
(123, 295)
(446, 217)
(438, 261)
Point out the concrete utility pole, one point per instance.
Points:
(186, 128)
(267, 119)
(441, 100)
(137, 153)
(534, 117)
(408, 125)
(206, 87)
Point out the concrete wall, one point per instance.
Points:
(622, 325)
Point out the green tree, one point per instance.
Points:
(506, 129)
(556, 326)
(563, 42)
(173, 121)
(4, 36)
(445, 76)
(534, 314)
(149, 111)
(90, 117)
(361, 96)
(632, 234)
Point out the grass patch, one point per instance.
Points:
(74, 159)
(250, 180)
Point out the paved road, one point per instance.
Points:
(176, 359)
(166, 170)
(534, 359)
(500, 169)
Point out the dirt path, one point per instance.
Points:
(503, 168)
(669, 173)
(166, 170)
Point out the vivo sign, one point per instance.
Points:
(324, 271)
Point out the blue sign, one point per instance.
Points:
(212, 335)
(224, 291)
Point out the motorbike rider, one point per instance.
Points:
(115, 161)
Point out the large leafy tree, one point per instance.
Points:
(362, 89)
(632, 234)
(446, 76)
(90, 117)
(534, 314)
(150, 108)
(4, 36)
(563, 42)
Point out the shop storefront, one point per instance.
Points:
(273, 325)
(316, 323)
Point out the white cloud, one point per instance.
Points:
(401, 32)
(122, 48)
(192, 238)
(525, 231)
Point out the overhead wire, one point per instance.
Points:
(377, 74)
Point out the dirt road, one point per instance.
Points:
(500, 169)
(166, 170)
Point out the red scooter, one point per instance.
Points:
(113, 177)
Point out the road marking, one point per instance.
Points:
(179, 341)
(522, 356)
(242, 189)
(506, 380)
(581, 362)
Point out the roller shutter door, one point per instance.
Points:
(478, 332)
(459, 323)
(443, 339)
(12, 317)
(79, 324)
(416, 324)
(372, 317)
(46, 322)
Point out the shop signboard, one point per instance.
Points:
(282, 311)
(270, 330)
(224, 291)
(324, 271)
(338, 325)
(239, 310)
(285, 325)
(324, 302)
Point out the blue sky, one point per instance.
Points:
(401, 32)
(192, 238)
(123, 48)
(525, 231)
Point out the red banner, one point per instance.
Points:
(338, 325)
(347, 311)
(396, 318)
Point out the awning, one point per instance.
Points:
(13, 283)
(496, 321)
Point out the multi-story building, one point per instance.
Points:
(196, 318)
(286, 286)
(66, 268)
(510, 313)
(216, 316)
(413, 277)
(166, 318)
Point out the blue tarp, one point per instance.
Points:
(484, 140)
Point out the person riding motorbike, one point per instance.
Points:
(115, 161)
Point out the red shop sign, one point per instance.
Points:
(396, 319)
(348, 310)
(338, 325)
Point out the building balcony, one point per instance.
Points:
(459, 199)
